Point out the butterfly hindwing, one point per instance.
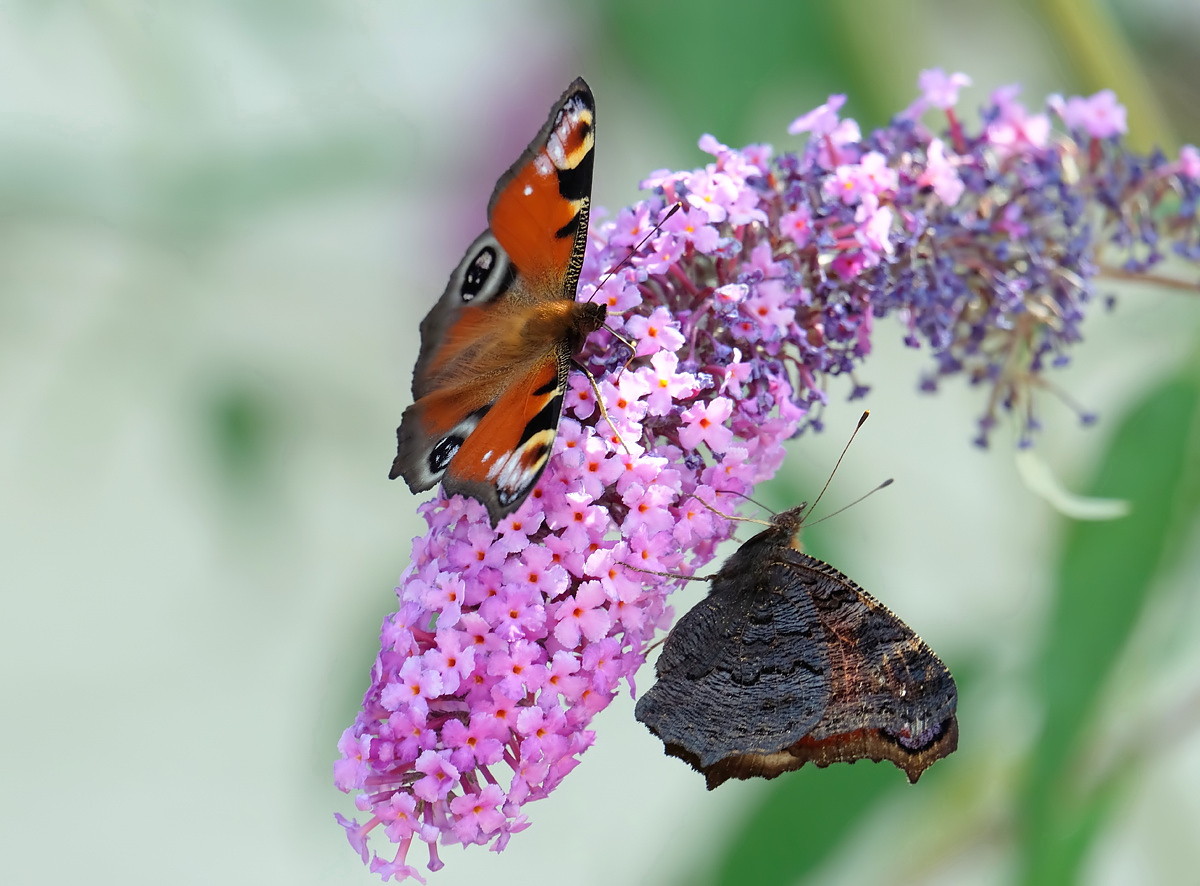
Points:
(507, 446)
(891, 696)
(496, 348)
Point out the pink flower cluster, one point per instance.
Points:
(508, 641)
(765, 284)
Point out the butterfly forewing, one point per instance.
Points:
(548, 191)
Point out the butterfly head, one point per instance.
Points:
(781, 533)
(589, 316)
(785, 526)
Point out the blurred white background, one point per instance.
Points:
(221, 225)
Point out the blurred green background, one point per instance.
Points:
(221, 225)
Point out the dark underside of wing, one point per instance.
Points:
(793, 663)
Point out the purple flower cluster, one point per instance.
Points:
(508, 641)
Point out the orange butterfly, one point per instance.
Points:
(496, 348)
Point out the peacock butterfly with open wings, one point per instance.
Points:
(496, 349)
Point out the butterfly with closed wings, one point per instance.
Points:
(787, 661)
(496, 349)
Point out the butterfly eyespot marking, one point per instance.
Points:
(484, 274)
(477, 273)
(445, 450)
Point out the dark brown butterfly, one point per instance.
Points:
(787, 661)
(496, 348)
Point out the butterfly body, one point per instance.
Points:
(788, 661)
(496, 349)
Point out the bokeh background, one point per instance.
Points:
(221, 223)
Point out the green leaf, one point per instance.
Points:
(1106, 576)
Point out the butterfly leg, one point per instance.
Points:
(600, 402)
(669, 574)
(623, 340)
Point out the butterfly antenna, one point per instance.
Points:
(749, 498)
(622, 339)
(884, 484)
(624, 261)
(634, 251)
(836, 464)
